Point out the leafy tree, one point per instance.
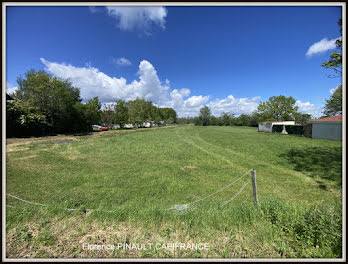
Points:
(53, 97)
(242, 120)
(107, 115)
(121, 116)
(24, 120)
(204, 114)
(138, 111)
(92, 111)
(227, 119)
(333, 105)
(277, 108)
(198, 121)
(168, 115)
(301, 118)
(215, 121)
(335, 61)
(253, 119)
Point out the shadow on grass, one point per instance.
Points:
(322, 162)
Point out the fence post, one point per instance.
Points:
(253, 178)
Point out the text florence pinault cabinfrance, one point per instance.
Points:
(146, 246)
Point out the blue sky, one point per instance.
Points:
(229, 58)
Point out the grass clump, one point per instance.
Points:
(315, 231)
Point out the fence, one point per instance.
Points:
(181, 208)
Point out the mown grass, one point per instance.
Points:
(137, 176)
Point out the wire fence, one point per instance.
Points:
(180, 208)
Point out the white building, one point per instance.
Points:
(268, 125)
(327, 128)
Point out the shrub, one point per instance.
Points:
(25, 120)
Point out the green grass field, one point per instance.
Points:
(132, 177)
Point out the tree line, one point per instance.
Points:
(277, 108)
(44, 104)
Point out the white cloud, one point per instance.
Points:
(234, 105)
(309, 108)
(10, 88)
(122, 62)
(93, 82)
(138, 18)
(186, 107)
(322, 46)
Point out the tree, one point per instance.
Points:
(333, 105)
(54, 98)
(92, 111)
(277, 108)
(121, 116)
(242, 120)
(215, 121)
(24, 120)
(301, 118)
(168, 115)
(107, 116)
(253, 119)
(335, 61)
(198, 121)
(226, 119)
(204, 115)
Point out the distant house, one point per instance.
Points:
(268, 125)
(327, 128)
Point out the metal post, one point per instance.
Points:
(253, 178)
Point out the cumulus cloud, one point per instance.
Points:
(122, 62)
(10, 88)
(93, 82)
(322, 46)
(186, 107)
(234, 105)
(138, 18)
(309, 108)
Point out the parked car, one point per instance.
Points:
(96, 127)
(99, 128)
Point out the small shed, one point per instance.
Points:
(267, 126)
(327, 128)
